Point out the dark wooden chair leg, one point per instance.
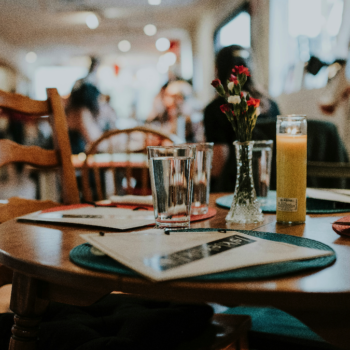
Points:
(28, 309)
(5, 275)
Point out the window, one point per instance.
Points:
(234, 31)
(300, 29)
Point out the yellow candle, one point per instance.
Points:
(291, 178)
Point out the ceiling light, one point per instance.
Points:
(92, 21)
(154, 2)
(31, 57)
(162, 44)
(150, 29)
(124, 46)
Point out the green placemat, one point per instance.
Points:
(82, 256)
(313, 206)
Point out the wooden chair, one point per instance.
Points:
(328, 169)
(59, 157)
(225, 331)
(124, 154)
(327, 159)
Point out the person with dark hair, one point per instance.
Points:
(216, 125)
(174, 109)
(82, 110)
(91, 77)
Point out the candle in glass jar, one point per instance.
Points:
(291, 169)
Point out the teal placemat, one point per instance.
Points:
(313, 206)
(82, 256)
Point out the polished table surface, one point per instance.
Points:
(39, 255)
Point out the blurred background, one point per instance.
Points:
(141, 43)
(297, 50)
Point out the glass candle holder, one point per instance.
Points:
(291, 149)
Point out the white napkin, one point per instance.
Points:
(131, 199)
(337, 195)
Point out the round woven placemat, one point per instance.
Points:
(82, 256)
(313, 206)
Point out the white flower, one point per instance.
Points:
(230, 85)
(234, 99)
(257, 111)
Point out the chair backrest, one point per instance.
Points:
(59, 157)
(325, 151)
(123, 155)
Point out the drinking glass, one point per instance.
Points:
(201, 178)
(171, 172)
(262, 156)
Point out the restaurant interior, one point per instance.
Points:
(110, 78)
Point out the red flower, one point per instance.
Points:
(253, 102)
(225, 108)
(242, 94)
(241, 70)
(234, 79)
(216, 83)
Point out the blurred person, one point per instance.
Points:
(218, 129)
(88, 116)
(91, 77)
(172, 110)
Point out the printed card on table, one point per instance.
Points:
(161, 257)
(113, 218)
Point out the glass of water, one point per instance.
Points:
(171, 171)
(262, 156)
(201, 177)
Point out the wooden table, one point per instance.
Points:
(39, 255)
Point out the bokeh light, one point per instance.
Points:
(92, 21)
(150, 29)
(124, 46)
(162, 44)
(31, 57)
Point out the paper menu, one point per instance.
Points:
(337, 195)
(161, 257)
(112, 218)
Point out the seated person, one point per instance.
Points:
(217, 127)
(86, 116)
(172, 111)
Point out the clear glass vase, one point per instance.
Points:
(245, 207)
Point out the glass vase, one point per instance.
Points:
(245, 207)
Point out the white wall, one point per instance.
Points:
(202, 35)
(260, 25)
(13, 57)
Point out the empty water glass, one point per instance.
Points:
(262, 156)
(201, 178)
(171, 172)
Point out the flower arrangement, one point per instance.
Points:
(241, 109)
